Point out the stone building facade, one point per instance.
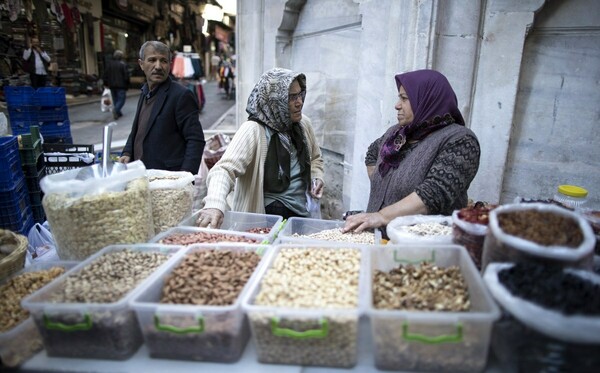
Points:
(526, 73)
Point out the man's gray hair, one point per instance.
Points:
(117, 55)
(161, 48)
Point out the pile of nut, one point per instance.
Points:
(204, 237)
(170, 206)
(337, 235)
(108, 278)
(82, 226)
(421, 288)
(427, 229)
(259, 230)
(17, 288)
(316, 279)
(542, 227)
(210, 277)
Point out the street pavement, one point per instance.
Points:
(87, 120)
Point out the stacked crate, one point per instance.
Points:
(45, 107)
(34, 169)
(15, 208)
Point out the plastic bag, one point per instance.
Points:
(500, 246)
(3, 125)
(41, 242)
(106, 104)
(398, 229)
(172, 194)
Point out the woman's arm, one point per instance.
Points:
(372, 155)
(409, 205)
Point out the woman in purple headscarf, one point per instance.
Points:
(425, 163)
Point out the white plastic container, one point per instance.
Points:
(92, 330)
(399, 229)
(23, 341)
(307, 226)
(194, 332)
(572, 196)
(234, 236)
(305, 336)
(431, 341)
(244, 222)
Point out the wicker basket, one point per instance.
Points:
(14, 261)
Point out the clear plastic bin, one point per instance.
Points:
(307, 226)
(194, 332)
(305, 336)
(257, 238)
(23, 341)
(92, 330)
(431, 341)
(244, 222)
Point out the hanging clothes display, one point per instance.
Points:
(187, 68)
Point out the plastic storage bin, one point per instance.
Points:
(325, 336)
(307, 226)
(431, 341)
(91, 330)
(244, 222)
(23, 341)
(205, 235)
(194, 332)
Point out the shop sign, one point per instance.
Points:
(134, 8)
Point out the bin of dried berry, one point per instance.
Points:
(550, 317)
(86, 314)
(538, 232)
(429, 309)
(305, 230)
(469, 227)
(19, 338)
(264, 224)
(304, 305)
(433, 229)
(192, 310)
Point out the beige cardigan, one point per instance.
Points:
(244, 160)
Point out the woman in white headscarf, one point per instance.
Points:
(274, 156)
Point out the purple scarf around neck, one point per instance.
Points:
(434, 106)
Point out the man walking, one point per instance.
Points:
(116, 77)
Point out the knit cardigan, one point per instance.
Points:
(242, 167)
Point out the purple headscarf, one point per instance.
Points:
(434, 106)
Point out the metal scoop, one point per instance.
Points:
(108, 166)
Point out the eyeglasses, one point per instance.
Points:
(293, 97)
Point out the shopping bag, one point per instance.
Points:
(106, 101)
(41, 243)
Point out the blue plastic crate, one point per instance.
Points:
(58, 114)
(50, 96)
(39, 215)
(23, 114)
(10, 163)
(18, 96)
(15, 208)
(55, 129)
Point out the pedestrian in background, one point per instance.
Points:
(116, 77)
(37, 63)
(215, 63)
(166, 133)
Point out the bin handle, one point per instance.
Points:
(279, 228)
(418, 261)
(177, 330)
(307, 334)
(443, 338)
(85, 325)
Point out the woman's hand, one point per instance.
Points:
(360, 222)
(317, 187)
(212, 218)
